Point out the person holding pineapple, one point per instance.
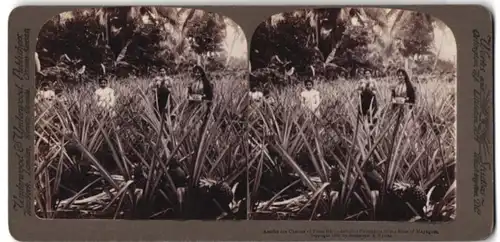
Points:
(367, 90)
(201, 89)
(162, 84)
(404, 91)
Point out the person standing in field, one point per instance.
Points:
(268, 98)
(256, 96)
(201, 90)
(368, 96)
(404, 92)
(163, 86)
(45, 97)
(310, 98)
(133, 74)
(105, 97)
(341, 76)
(61, 99)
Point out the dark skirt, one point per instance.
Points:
(162, 101)
(369, 105)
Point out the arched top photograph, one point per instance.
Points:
(363, 115)
(135, 108)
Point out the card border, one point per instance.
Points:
(462, 19)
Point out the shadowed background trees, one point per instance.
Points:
(117, 41)
(325, 42)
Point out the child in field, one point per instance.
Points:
(255, 95)
(341, 76)
(105, 97)
(268, 98)
(310, 98)
(61, 99)
(45, 96)
(163, 85)
(44, 99)
(133, 74)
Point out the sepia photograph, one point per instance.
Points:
(138, 115)
(353, 116)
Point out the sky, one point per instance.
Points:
(449, 46)
(240, 48)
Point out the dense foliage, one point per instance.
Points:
(333, 166)
(344, 40)
(119, 40)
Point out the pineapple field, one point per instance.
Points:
(230, 158)
(334, 167)
(332, 164)
(132, 162)
(226, 162)
(138, 164)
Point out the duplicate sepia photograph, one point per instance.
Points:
(353, 116)
(138, 113)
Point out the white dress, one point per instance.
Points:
(105, 98)
(310, 99)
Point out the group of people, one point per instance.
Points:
(202, 90)
(105, 97)
(310, 98)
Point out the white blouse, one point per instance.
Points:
(310, 99)
(105, 97)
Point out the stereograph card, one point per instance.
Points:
(251, 123)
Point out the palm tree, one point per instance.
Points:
(330, 28)
(387, 24)
(120, 25)
(119, 22)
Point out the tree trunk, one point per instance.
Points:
(38, 67)
(107, 28)
(334, 51)
(318, 27)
